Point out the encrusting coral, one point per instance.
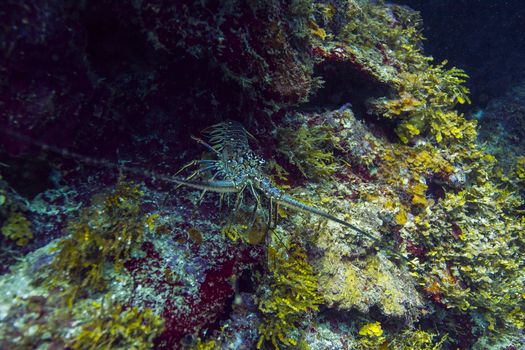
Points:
(478, 263)
(417, 339)
(371, 336)
(292, 295)
(101, 238)
(308, 148)
(425, 103)
(15, 225)
(17, 228)
(35, 317)
(106, 325)
(362, 284)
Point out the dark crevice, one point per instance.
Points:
(28, 176)
(245, 282)
(344, 84)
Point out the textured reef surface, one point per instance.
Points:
(402, 219)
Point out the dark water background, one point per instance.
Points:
(485, 38)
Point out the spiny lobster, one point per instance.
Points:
(236, 170)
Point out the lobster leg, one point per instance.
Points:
(210, 148)
(237, 205)
(256, 206)
(201, 197)
(198, 172)
(219, 186)
(195, 162)
(238, 199)
(195, 173)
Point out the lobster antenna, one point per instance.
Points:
(76, 156)
(221, 187)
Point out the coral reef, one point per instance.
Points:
(128, 328)
(374, 282)
(347, 112)
(17, 228)
(417, 340)
(306, 148)
(477, 265)
(104, 232)
(501, 130)
(425, 103)
(371, 336)
(292, 294)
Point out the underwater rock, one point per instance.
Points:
(423, 246)
(364, 284)
(501, 128)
